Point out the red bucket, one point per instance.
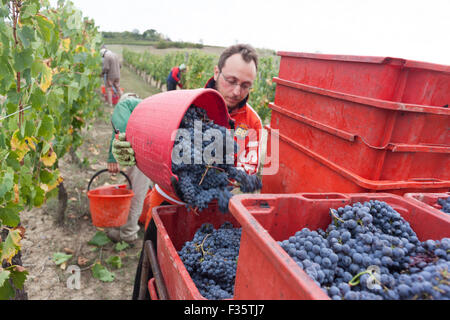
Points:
(115, 97)
(109, 205)
(153, 123)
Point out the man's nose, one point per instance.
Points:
(237, 89)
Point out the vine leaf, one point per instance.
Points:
(100, 239)
(100, 272)
(60, 258)
(6, 290)
(10, 247)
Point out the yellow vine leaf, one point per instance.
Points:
(10, 246)
(49, 158)
(16, 193)
(21, 147)
(50, 187)
(79, 48)
(65, 44)
(46, 78)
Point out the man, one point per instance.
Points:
(233, 79)
(140, 182)
(111, 69)
(174, 77)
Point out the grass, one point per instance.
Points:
(131, 82)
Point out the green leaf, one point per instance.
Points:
(26, 35)
(46, 127)
(3, 152)
(36, 68)
(100, 239)
(18, 277)
(6, 290)
(46, 176)
(4, 276)
(7, 182)
(30, 127)
(45, 27)
(28, 10)
(115, 261)
(9, 215)
(59, 257)
(39, 197)
(121, 246)
(23, 60)
(101, 273)
(4, 12)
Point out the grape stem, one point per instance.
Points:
(204, 174)
(201, 245)
(334, 215)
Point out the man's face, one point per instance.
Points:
(235, 79)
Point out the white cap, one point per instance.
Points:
(182, 66)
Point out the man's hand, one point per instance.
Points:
(122, 151)
(113, 167)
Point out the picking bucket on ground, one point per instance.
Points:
(115, 97)
(109, 205)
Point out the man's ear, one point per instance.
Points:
(216, 73)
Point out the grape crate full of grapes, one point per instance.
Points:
(203, 158)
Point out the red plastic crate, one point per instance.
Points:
(391, 162)
(175, 226)
(429, 200)
(377, 122)
(303, 170)
(386, 78)
(266, 271)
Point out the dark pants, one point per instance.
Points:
(171, 85)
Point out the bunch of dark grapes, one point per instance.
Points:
(369, 252)
(211, 260)
(445, 204)
(201, 182)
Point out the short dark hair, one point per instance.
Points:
(247, 52)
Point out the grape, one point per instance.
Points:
(211, 259)
(445, 203)
(201, 183)
(340, 259)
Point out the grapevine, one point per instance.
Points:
(49, 66)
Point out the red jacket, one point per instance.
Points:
(174, 76)
(247, 126)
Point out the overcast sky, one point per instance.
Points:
(410, 29)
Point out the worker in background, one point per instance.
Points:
(111, 69)
(174, 77)
(140, 183)
(233, 79)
